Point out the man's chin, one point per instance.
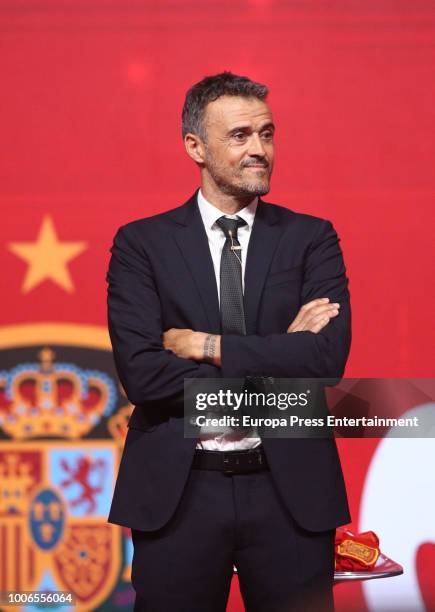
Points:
(257, 190)
(252, 189)
(245, 189)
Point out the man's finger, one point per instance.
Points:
(317, 327)
(312, 320)
(306, 307)
(307, 315)
(316, 324)
(319, 310)
(308, 325)
(316, 302)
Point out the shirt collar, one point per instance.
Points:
(210, 214)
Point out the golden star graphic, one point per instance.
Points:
(47, 257)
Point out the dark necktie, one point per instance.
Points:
(231, 296)
(231, 290)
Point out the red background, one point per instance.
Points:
(91, 101)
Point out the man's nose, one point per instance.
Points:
(256, 146)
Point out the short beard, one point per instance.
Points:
(245, 189)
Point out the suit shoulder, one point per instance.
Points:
(151, 223)
(289, 216)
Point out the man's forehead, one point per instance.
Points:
(228, 111)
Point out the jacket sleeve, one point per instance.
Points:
(147, 371)
(301, 354)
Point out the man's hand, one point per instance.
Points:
(314, 315)
(193, 345)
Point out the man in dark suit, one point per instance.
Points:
(229, 286)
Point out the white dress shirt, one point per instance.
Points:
(210, 439)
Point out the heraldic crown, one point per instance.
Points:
(48, 399)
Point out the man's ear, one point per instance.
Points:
(195, 147)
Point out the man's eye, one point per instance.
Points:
(239, 136)
(267, 135)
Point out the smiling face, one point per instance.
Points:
(239, 151)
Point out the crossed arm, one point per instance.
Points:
(199, 346)
(152, 362)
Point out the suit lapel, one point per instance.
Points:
(192, 242)
(263, 242)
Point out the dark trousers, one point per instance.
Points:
(223, 520)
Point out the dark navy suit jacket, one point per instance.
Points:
(161, 276)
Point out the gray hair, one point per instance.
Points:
(211, 88)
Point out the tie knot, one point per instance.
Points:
(230, 226)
